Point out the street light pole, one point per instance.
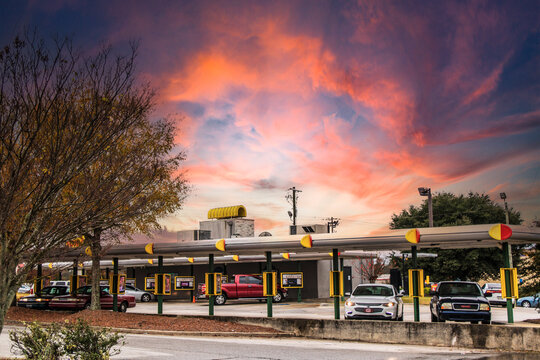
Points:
(427, 192)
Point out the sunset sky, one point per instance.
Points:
(357, 104)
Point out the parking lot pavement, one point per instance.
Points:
(308, 310)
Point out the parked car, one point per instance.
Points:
(529, 301)
(374, 301)
(460, 301)
(496, 294)
(140, 295)
(243, 286)
(42, 301)
(24, 290)
(82, 297)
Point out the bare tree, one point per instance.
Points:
(59, 113)
(370, 269)
(144, 181)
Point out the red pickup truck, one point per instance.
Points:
(243, 287)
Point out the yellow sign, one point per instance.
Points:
(339, 276)
(416, 277)
(306, 241)
(509, 275)
(269, 277)
(500, 232)
(236, 258)
(213, 279)
(220, 245)
(190, 260)
(413, 236)
(286, 256)
(149, 248)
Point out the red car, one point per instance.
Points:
(81, 300)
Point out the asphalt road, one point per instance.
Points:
(166, 347)
(232, 348)
(313, 310)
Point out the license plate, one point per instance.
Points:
(368, 310)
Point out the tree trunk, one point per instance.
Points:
(10, 281)
(95, 246)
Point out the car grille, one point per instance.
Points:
(371, 310)
(369, 304)
(465, 307)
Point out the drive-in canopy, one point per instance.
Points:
(450, 237)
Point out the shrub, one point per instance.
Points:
(72, 341)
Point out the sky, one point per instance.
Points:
(355, 103)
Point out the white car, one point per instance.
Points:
(140, 295)
(374, 301)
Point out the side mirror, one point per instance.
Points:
(488, 295)
(399, 295)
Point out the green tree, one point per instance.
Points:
(452, 210)
(529, 266)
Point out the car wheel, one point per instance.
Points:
(526, 304)
(278, 297)
(220, 299)
(474, 322)
(146, 298)
(123, 307)
(486, 322)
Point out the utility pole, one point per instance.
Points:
(332, 224)
(293, 197)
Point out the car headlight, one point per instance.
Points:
(23, 299)
(389, 304)
(446, 306)
(349, 303)
(484, 307)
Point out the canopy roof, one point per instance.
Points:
(451, 237)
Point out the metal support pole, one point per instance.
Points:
(299, 298)
(115, 284)
(160, 287)
(416, 301)
(269, 284)
(211, 285)
(430, 209)
(341, 269)
(191, 273)
(38, 282)
(509, 308)
(403, 271)
(335, 260)
(73, 283)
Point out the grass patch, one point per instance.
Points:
(423, 300)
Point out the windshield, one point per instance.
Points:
(373, 291)
(459, 289)
(53, 290)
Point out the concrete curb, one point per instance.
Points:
(204, 333)
(491, 337)
(21, 325)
